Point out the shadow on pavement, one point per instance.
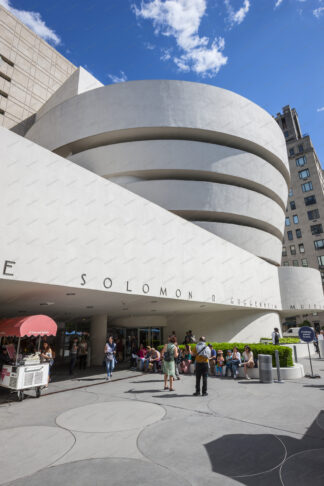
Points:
(272, 460)
(142, 391)
(148, 381)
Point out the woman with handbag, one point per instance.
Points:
(110, 353)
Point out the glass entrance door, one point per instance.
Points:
(156, 337)
(144, 336)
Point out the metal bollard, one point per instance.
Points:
(321, 348)
(278, 367)
(265, 368)
(295, 353)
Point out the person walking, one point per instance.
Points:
(83, 353)
(169, 353)
(202, 356)
(275, 336)
(110, 353)
(177, 360)
(73, 355)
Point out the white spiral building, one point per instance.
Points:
(150, 204)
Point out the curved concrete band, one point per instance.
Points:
(161, 109)
(185, 159)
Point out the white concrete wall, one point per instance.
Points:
(295, 282)
(153, 159)
(161, 109)
(230, 326)
(223, 160)
(254, 240)
(61, 221)
(196, 199)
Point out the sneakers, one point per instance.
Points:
(247, 377)
(196, 394)
(205, 394)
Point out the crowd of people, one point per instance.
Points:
(172, 360)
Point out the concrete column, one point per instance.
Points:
(98, 336)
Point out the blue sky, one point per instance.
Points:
(271, 51)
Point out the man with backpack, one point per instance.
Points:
(275, 336)
(202, 355)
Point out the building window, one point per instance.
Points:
(290, 235)
(319, 244)
(286, 133)
(301, 161)
(5, 59)
(322, 275)
(310, 200)
(284, 251)
(303, 174)
(4, 76)
(301, 248)
(314, 214)
(292, 205)
(316, 229)
(2, 93)
(295, 263)
(293, 249)
(308, 186)
(2, 112)
(287, 221)
(290, 193)
(300, 148)
(291, 151)
(285, 264)
(284, 124)
(304, 262)
(320, 260)
(298, 233)
(295, 219)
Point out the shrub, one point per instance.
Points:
(285, 340)
(285, 353)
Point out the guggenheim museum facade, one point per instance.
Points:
(152, 205)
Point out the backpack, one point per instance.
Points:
(168, 356)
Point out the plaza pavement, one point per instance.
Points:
(131, 431)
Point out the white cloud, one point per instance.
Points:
(166, 54)
(238, 16)
(318, 12)
(181, 20)
(278, 3)
(149, 46)
(320, 109)
(34, 21)
(118, 79)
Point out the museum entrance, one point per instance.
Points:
(124, 337)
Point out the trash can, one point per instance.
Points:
(265, 368)
(321, 348)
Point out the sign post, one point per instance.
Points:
(307, 334)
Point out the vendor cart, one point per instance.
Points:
(26, 372)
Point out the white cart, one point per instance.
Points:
(26, 373)
(24, 377)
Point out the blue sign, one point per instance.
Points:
(306, 334)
